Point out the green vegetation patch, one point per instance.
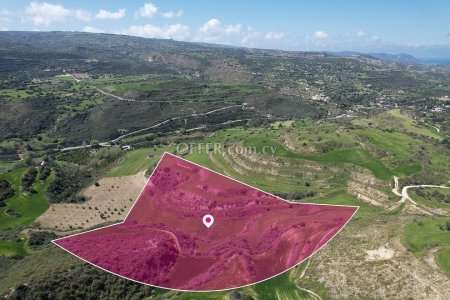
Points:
(28, 206)
(8, 248)
(423, 234)
(398, 118)
(15, 93)
(136, 161)
(121, 88)
(443, 260)
(356, 156)
(279, 287)
(80, 157)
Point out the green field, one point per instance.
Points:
(9, 248)
(396, 117)
(121, 88)
(15, 94)
(201, 296)
(65, 78)
(30, 207)
(286, 124)
(279, 287)
(86, 104)
(443, 260)
(136, 161)
(422, 235)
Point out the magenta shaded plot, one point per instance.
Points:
(164, 242)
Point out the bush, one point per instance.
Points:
(44, 172)
(6, 191)
(28, 179)
(445, 226)
(38, 239)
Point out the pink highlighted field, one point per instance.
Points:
(163, 241)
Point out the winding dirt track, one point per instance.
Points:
(405, 197)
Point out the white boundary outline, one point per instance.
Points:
(205, 291)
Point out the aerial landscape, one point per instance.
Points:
(116, 141)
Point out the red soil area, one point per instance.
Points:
(163, 241)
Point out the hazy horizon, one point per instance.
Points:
(419, 28)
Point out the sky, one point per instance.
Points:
(418, 27)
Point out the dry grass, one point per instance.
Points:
(108, 202)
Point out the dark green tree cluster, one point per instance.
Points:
(6, 191)
(44, 172)
(37, 239)
(7, 154)
(67, 183)
(28, 179)
(81, 282)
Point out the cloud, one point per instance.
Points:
(5, 15)
(81, 15)
(148, 10)
(360, 34)
(93, 29)
(250, 36)
(175, 31)
(171, 14)
(274, 35)
(321, 34)
(43, 13)
(213, 31)
(46, 13)
(110, 15)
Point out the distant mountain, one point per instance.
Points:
(401, 57)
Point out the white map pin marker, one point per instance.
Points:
(208, 220)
